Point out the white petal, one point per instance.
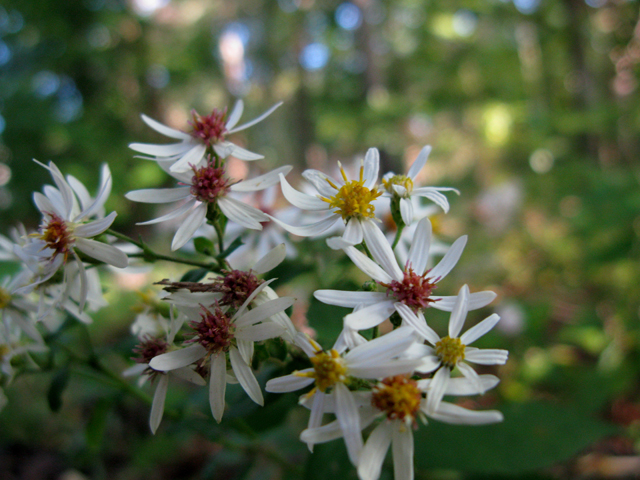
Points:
(371, 167)
(263, 311)
(271, 260)
(301, 200)
(96, 227)
(476, 300)
(308, 230)
(245, 376)
(419, 162)
(289, 383)
(479, 330)
(261, 182)
(240, 312)
(44, 204)
(454, 414)
(461, 386)
(157, 407)
(402, 450)
(161, 150)
(401, 366)
(181, 210)
(321, 182)
(317, 410)
(240, 213)
(471, 375)
(381, 250)
(235, 115)
(190, 375)
(217, 385)
(406, 211)
(374, 452)
(349, 419)
(459, 313)
(103, 252)
(353, 233)
(178, 358)
(367, 265)
(159, 195)
(433, 195)
(449, 260)
(349, 299)
(437, 387)
(242, 153)
(370, 316)
(418, 323)
(420, 245)
(164, 130)
(487, 356)
(192, 158)
(190, 224)
(263, 331)
(382, 348)
(255, 120)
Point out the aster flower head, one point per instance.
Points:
(402, 188)
(207, 134)
(204, 187)
(349, 200)
(412, 285)
(453, 351)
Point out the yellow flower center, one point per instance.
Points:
(450, 351)
(5, 298)
(399, 397)
(329, 369)
(353, 198)
(401, 180)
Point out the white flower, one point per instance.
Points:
(206, 132)
(344, 198)
(16, 309)
(331, 370)
(451, 351)
(402, 187)
(412, 285)
(205, 186)
(216, 335)
(399, 401)
(65, 229)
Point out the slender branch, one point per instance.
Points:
(398, 235)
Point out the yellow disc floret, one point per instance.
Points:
(399, 397)
(328, 369)
(450, 351)
(401, 180)
(5, 298)
(353, 198)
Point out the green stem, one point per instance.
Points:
(398, 235)
(366, 250)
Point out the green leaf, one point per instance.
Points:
(58, 384)
(330, 460)
(204, 245)
(97, 423)
(194, 275)
(230, 249)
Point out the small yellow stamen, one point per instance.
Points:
(401, 180)
(353, 198)
(450, 351)
(399, 397)
(329, 369)
(5, 298)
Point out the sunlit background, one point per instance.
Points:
(533, 111)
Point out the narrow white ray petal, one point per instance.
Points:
(271, 260)
(217, 385)
(192, 222)
(65, 190)
(418, 323)
(402, 450)
(255, 120)
(299, 199)
(420, 161)
(250, 298)
(164, 130)
(461, 386)
(406, 210)
(263, 311)
(189, 159)
(161, 150)
(449, 260)
(186, 298)
(353, 233)
(371, 167)
(234, 116)
(434, 195)
(263, 331)
(317, 410)
(325, 433)
(479, 330)
(487, 356)
(44, 204)
(178, 358)
(246, 350)
(349, 419)
(135, 370)
(367, 265)
(349, 299)
(80, 190)
(374, 451)
(96, 206)
(245, 376)
(321, 182)
(428, 364)
(306, 344)
(456, 415)
(382, 348)
(419, 252)
(181, 210)
(242, 153)
(381, 250)
(261, 182)
(476, 300)
(370, 316)
(459, 312)
(157, 406)
(308, 230)
(158, 195)
(96, 227)
(437, 387)
(239, 212)
(400, 366)
(471, 375)
(190, 375)
(103, 252)
(289, 383)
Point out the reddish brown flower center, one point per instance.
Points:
(213, 331)
(399, 397)
(148, 349)
(210, 128)
(236, 286)
(209, 183)
(414, 290)
(57, 235)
